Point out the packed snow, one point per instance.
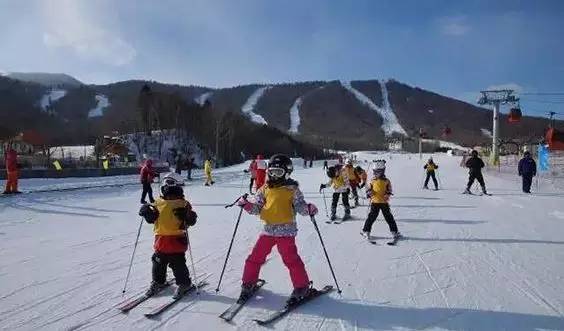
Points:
(390, 123)
(295, 116)
(201, 100)
(468, 262)
(50, 97)
(249, 106)
(102, 103)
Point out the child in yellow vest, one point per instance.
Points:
(208, 172)
(379, 191)
(430, 168)
(340, 184)
(277, 203)
(171, 214)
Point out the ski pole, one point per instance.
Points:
(325, 251)
(132, 255)
(192, 261)
(325, 203)
(232, 239)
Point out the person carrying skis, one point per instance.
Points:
(171, 215)
(147, 174)
(527, 170)
(11, 160)
(430, 168)
(340, 185)
(253, 171)
(208, 172)
(352, 178)
(379, 191)
(475, 165)
(261, 172)
(277, 203)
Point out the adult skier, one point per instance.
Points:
(430, 168)
(527, 170)
(170, 215)
(475, 165)
(261, 172)
(277, 203)
(325, 165)
(379, 191)
(340, 185)
(350, 174)
(11, 160)
(189, 166)
(253, 171)
(147, 175)
(208, 172)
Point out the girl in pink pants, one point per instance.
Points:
(277, 203)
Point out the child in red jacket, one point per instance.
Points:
(146, 175)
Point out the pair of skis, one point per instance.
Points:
(373, 241)
(230, 313)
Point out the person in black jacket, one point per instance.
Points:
(527, 170)
(430, 168)
(475, 164)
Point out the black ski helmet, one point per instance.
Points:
(171, 186)
(332, 172)
(474, 153)
(279, 168)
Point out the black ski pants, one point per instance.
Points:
(476, 176)
(527, 181)
(345, 199)
(431, 174)
(176, 262)
(374, 211)
(251, 185)
(147, 190)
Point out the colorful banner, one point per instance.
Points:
(544, 157)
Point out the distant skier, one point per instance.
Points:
(178, 164)
(311, 162)
(430, 168)
(171, 215)
(325, 165)
(253, 171)
(340, 186)
(261, 172)
(277, 203)
(527, 170)
(379, 191)
(352, 178)
(208, 172)
(147, 175)
(475, 165)
(189, 166)
(12, 171)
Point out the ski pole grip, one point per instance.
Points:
(244, 196)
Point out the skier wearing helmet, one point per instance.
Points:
(430, 168)
(277, 203)
(353, 179)
(475, 165)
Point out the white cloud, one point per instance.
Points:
(85, 29)
(454, 26)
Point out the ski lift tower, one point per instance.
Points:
(496, 98)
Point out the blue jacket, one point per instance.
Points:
(527, 167)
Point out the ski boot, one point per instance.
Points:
(365, 234)
(397, 235)
(347, 215)
(299, 294)
(467, 191)
(425, 187)
(333, 215)
(247, 291)
(181, 290)
(154, 288)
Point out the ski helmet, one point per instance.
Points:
(279, 168)
(332, 172)
(379, 167)
(171, 186)
(348, 161)
(474, 153)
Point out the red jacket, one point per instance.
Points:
(147, 173)
(11, 158)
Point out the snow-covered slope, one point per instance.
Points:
(469, 262)
(295, 116)
(102, 103)
(390, 122)
(203, 97)
(250, 104)
(50, 97)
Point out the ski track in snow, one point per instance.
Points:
(295, 116)
(468, 262)
(102, 103)
(50, 97)
(250, 104)
(390, 123)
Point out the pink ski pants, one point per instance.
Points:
(289, 252)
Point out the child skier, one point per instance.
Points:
(171, 215)
(339, 182)
(253, 171)
(379, 191)
(146, 175)
(261, 172)
(208, 172)
(277, 203)
(430, 168)
(475, 165)
(352, 178)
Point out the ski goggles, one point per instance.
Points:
(276, 172)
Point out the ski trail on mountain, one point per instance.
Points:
(201, 100)
(249, 106)
(390, 123)
(102, 103)
(295, 116)
(50, 97)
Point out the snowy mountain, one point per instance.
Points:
(46, 79)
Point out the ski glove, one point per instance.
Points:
(245, 204)
(188, 217)
(322, 187)
(149, 212)
(312, 209)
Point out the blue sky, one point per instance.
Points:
(451, 47)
